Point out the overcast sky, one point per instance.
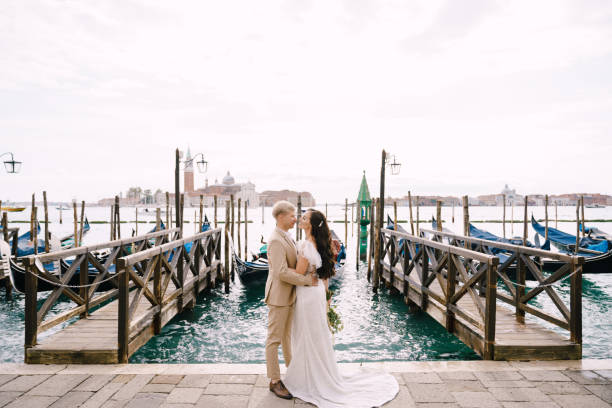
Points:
(304, 94)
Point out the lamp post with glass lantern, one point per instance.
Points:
(391, 161)
(11, 166)
(202, 168)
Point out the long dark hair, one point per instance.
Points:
(323, 241)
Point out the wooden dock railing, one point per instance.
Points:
(522, 259)
(85, 295)
(160, 282)
(412, 265)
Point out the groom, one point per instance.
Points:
(280, 293)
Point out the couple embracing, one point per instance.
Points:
(297, 319)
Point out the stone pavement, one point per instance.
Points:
(537, 384)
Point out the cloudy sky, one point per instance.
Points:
(304, 94)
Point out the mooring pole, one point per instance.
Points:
(381, 210)
(466, 220)
(345, 221)
(226, 272)
(582, 208)
(177, 192)
(410, 208)
(168, 224)
(238, 232)
(395, 215)
(525, 222)
(81, 223)
(577, 226)
(215, 210)
(75, 224)
(246, 233)
(504, 215)
(201, 212)
(46, 221)
(299, 215)
(546, 217)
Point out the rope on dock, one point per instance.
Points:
(61, 285)
(540, 285)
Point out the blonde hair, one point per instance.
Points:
(282, 207)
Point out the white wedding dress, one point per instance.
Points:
(313, 374)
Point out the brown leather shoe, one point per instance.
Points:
(280, 390)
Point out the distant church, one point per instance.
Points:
(223, 190)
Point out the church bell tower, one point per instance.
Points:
(188, 174)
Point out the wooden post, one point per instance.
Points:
(395, 215)
(201, 212)
(525, 222)
(450, 292)
(410, 207)
(512, 216)
(353, 219)
(238, 231)
(299, 215)
(31, 295)
(232, 269)
(81, 223)
(123, 330)
(168, 210)
(325, 210)
(372, 233)
(246, 231)
(112, 222)
(177, 193)
(215, 210)
(556, 218)
(117, 218)
(61, 211)
(232, 216)
(490, 312)
(136, 215)
(381, 210)
(46, 221)
(157, 219)
(439, 215)
(5, 227)
(418, 230)
(582, 210)
(466, 220)
(226, 272)
(453, 217)
(423, 278)
(345, 220)
(546, 217)
(504, 215)
(181, 212)
(577, 226)
(195, 222)
(576, 302)
(377, 249)
(83, 281)
(75, 221)
(157, 292)
(35, 237)
(521, 277)
(32, 226)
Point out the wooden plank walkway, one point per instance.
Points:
(459, 289)
(154, 285)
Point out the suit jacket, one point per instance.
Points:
(282, 255)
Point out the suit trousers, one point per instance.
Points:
(279, 333)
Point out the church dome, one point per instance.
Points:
(228, 179)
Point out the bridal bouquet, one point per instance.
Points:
(333, 318)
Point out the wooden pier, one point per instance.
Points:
(156, 277)
(459, 288)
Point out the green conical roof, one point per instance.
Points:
(364, 191)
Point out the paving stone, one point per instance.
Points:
(58, 385)
(436, 405)
(458, 386)
(146, 400)
(133, 387)
(167, 379)
(102, 395)
(158, 388)
(499, 375)
(72, 399)
(476, 399)
(422, 378)
(581, 401)
(602, 391)
(403, 399)
(586, 377)
(605, 373)
(226, 401)
(124, 378)
(561, 387)
(195, 381)
(32, 401)
(94, 383)
(228, 389)
(548, 404)
(233, 379)
(507, 384)
(115, 404)
(184, 395)
(24, 383)
(4, 378)
(550, 375)
(518, 394)
(8, 396)
(166, 405)
(457, 375)
(263, 398)
(429, 393)
(262, 381)
(398, 378)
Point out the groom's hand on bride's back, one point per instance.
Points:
(315, 279)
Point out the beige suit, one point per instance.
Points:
(280, 298)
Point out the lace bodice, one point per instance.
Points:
(307, 249)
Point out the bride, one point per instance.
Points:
(313, 374)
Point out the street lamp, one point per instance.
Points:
(202, 164)
(11, 166)
(395, 169)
